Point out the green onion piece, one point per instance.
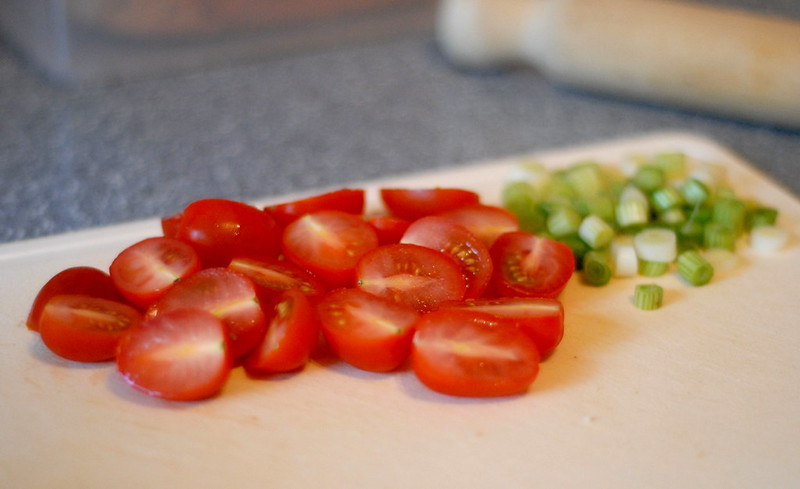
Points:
(648, 297)
(711, 174)
(585, 178)
(596, 232)
(731, 212)
(632, 214)
(694, 269)
(596, 268)
(520, 199)
(600, 205)
(768, 239)
(695, 192)
(623, 257)
(649, 178)
(563, 221)
(649, 268)
(656, 245)
(673, 218)
(666, 198)
(672, 164)
(761, 216)
(718, 235)
(577, 245)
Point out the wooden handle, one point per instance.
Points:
(724, 61)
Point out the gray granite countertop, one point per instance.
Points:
(72, 158)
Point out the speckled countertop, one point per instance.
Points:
(72, 158)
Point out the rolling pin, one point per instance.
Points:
(698, 57)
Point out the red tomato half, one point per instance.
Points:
(83, 328)
(389, 228)
(228, 295)
(292, 334)
(413, 203)
(181, 355)
(329, 244)
(144, 271)
(443, 234)
(272, 276)
(411, 274)
(485, 221)
(223, 229)
(541, 318)
(367, 331)
(529, 266)
(468, 353)
(75, 280)
(170, 225)
(345, 200)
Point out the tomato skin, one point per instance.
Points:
(181, 355)
(413, 203)
(272, 276)
(526, 265)
(74, 280)
(541, 318)
(144, 271)
(170, 225)
(228, 295)
(467, 353)
(291, 336)
(390, 229)
(84, 328)
(410, 274)
(369, 332)
(329, 244)
(445, 235)
(222, 229)
(346, 200)
(484, 221)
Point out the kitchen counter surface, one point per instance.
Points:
(72, 158)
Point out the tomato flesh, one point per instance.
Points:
(291, 336)
(84, 328)
(530, 266)
(410, 274)
(485, 221)
(144, 271)
(76, 281)
(369, 332)
(180, 355)
(468, 353)
(228, 295)
(445, 235)
(389, 229)
(272, 276)
(413, 203)
(346, 200)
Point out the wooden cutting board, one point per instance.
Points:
(704, 392)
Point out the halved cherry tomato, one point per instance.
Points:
(541, 318)
(345, 200)
(413, 203)
(144, 271)
(410, 274)
(487, 222)
(388, 228)
(181, 355)
(292, 334)
(469, 353)
(226, 294)
(83, 328)
(272, 276)
(170, 225)
(74, 280)
(329, 244)
(445, 235)
(526, 265)
(222, 229)
(367, 331)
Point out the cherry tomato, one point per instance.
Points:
(223, 229)
(272, 276)
(413, 203)
(469, 353)
(75, 280)
(291, 336)
(170, 225)
(526, 265)
(541, 318)
(443, 234)
(388, 228)
(144, 271)
(181, 355)
(367, 331)
(346, 200)
(226, 294)
(485, 221)
(329, 244)
(84, 328)
(411, 274)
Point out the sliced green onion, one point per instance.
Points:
(632, 214)
(761, 216)
(596, 232)
(577, 245)
(656, 245)
(596, 268)
(647, 268)
(673, 218)
(585, 178)
(623, 257)
(730, 211)
(694, 269)
(648, 297)
(520, 199)
(649, 178)
(710, 174)
(695, 192)
(563, 221)
(672, 164)
(718, 235)
(768, 239)
(666, 198)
